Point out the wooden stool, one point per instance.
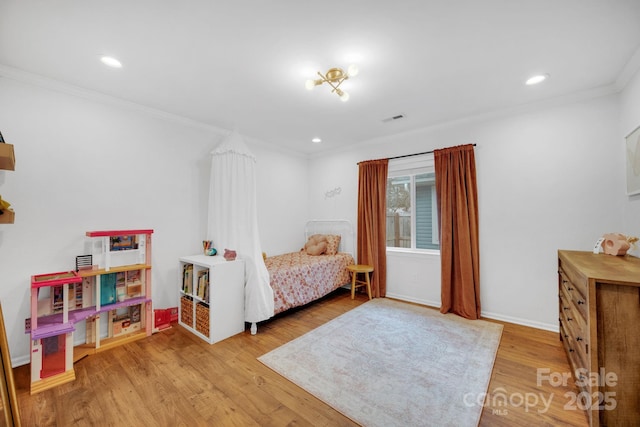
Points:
(355, 283)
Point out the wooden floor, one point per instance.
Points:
(175, 379)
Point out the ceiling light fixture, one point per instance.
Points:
(334, 78)
(111, 62)
(537, 79)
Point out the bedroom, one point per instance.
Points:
(551, 175)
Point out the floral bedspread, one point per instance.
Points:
(298, 278)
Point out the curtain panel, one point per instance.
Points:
(233, 220)
(457, 197)
(372, 234)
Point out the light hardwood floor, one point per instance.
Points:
(175, 379)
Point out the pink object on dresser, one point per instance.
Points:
(615, 244)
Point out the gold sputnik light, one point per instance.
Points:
(334, 78)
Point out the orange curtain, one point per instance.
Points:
(458, 215)
(372, 231)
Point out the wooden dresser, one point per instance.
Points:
(600, 329)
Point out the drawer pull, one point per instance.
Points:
(570, 350)
(580, 301)
(569, 319)
(578, 339)
(566, 308)
(569, 288)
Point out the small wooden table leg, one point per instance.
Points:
(368, 285)
(353, 284)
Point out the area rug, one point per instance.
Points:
(389, 363)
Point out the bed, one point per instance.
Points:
(298, 278)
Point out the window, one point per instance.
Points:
(412, 216)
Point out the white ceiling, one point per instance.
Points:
(242, 64)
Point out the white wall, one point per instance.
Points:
(84, 165)
(629, 120)
(282, 212)
(547, 180)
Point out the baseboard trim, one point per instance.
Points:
(487, 315)
(434, 304)
(521, 321)
(20, 360)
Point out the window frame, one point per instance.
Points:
(411, 167)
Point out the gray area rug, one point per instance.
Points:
(389, 363)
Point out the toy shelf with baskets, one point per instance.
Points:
(211, 296)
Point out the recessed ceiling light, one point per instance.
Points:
(537, 79)
(111, 62)
(316, 140)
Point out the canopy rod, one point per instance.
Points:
(411, 155)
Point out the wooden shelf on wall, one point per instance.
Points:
(7, 157)
(7, 162)
(7, 217)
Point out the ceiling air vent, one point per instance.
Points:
(393, 118)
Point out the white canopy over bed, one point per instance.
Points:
(233, 223)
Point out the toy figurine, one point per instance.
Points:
(229, 255)
(617, 244)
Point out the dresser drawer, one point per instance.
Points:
(575, 338)
(575, 360)
(571, 300)
(576, 294)
(577, 281)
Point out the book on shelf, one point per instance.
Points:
(203, 284)
(187, 278)
(206, 292)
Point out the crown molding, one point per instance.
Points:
(101, 98)
(629, 70)
(557, 101)
(47, 83)
(632, 66)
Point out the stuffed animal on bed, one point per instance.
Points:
(316, 245)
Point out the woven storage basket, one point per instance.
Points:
(202, 319)
(186, 311)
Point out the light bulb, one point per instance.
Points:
(344, 97)
(111, 62)
(310, 84)
(536, 79)
(353, 70)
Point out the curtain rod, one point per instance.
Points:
(411, 155)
